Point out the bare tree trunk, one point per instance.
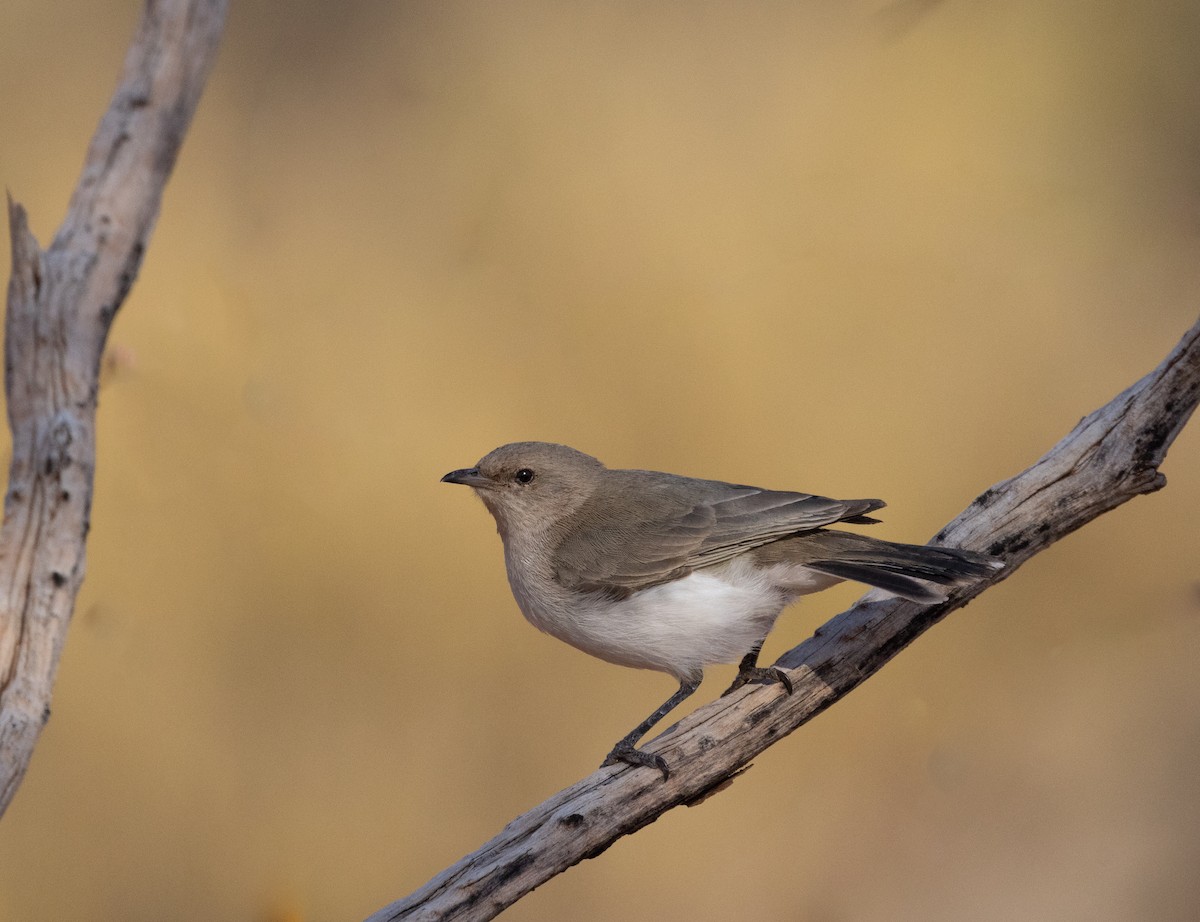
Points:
(1110, 457)
(61, 304)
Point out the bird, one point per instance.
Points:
(672, 573)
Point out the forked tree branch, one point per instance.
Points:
(1110, 457)
(61, 304)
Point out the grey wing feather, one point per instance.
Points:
(755, 518)
(680, 525)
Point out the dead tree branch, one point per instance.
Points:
(1112, 456)
(61, 304)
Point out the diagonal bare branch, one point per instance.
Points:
(61, 304)
(1112, 456)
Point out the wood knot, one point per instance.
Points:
(58, 458)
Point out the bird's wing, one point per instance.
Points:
(679, 525)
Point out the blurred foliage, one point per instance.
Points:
(891, 249)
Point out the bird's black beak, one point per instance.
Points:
(468, 476)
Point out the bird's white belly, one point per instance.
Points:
(714, 615)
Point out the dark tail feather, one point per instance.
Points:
(904, 569)
(895, 583)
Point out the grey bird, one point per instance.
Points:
(659, 571)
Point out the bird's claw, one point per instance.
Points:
(761, 673)
(624, 752)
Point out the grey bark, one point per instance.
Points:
(1112, 456)
(61, 304)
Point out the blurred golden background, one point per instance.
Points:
(861, 249)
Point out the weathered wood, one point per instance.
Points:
(1110, 457)
(61, 304)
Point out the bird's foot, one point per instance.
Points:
(625, 752)
(759, 673)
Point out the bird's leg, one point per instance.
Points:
(749, 670)
(624, 751)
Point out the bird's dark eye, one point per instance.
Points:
(524, 475)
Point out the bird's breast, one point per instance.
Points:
(714, 615)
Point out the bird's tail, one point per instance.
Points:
(911, 571)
